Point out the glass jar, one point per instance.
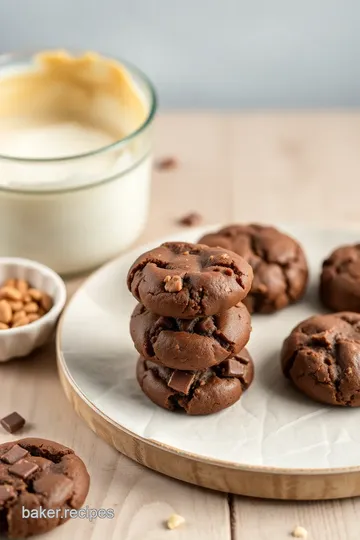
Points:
(74, 212)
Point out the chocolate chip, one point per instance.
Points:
(167, 164)
(6, 493)
(23, 468)
(191, 220)
(206, 326)
(13, 422)
(181, 381)
(56, 487)
(14, 454)
(232, 368)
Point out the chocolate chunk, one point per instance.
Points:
(14, 454)
(56, 487)
(13, 422)
(23, 468)
(191, 220)
(181, 381)
(6, 493)
(232, 368)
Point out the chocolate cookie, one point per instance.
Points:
(340, 279)
(321, 357)
(190, 344)
(35, 474)
(278, 262)
(199, 392)
(189, 280)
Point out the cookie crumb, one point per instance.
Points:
(167, 164)
(224, 256)
(173, 283)
(175, 521)
(191, 220)
(299, 532)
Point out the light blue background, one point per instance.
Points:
(209, 53)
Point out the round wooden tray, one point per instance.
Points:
(276, 482)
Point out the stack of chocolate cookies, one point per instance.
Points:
(190, 327)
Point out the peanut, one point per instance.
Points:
(21, 322)
(18, 315)
(31, 307)
(22, 285)
(33, 317)
(5, 312)
(10, 293)
(35, 294)
(16, 305)
(46, 302)
(21, 304)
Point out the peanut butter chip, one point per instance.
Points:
(186, 253)
(173, 283)
(299, 532)
(175, 521)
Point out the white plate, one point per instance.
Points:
(272, 425)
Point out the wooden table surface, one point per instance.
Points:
(270, 167)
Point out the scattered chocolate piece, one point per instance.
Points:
(13, 422)
(6, 493)
(191, 220)
(23, 468)
(14, 454)
(167, 164)
(181, 381)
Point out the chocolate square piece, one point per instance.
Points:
(23, 468)
(232, 368)
(181, 381)
(6, 493)
(14, 454)
(57, 488)
(13, 422)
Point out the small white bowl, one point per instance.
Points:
(20, 341)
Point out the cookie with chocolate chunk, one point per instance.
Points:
(190, 344)
(278, 261)
(197, 392)
(340, 279)
(321, 358)
(35, 474)
(185, 280)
